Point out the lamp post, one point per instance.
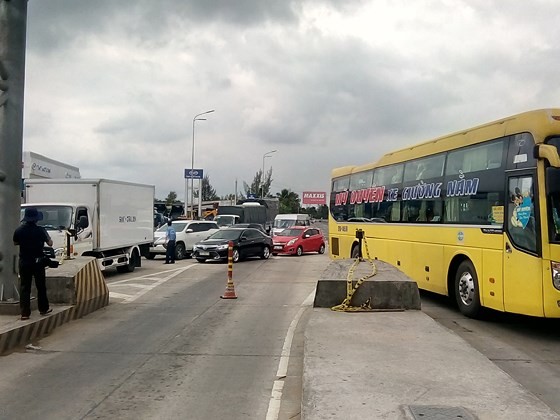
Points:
(267, 154)
(192, 161)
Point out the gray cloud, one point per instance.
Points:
(112, 87)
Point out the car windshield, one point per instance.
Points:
(283, 224)
(290, 232)
(229, 234)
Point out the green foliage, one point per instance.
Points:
(289, 201)
(259, 187)
(208, 192)
(171, 198)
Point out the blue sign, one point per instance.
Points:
(193, 174)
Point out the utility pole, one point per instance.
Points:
(13, 25)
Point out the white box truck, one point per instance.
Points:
(109, 220)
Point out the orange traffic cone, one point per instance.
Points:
(230, 289)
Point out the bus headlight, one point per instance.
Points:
(555, 274)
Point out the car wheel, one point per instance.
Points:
(321, 249)
(180, 251)
(151, 256)
(299, 251)
(201, 260)
(466, 290)
(235, 255)
(265, 253)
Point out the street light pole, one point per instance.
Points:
(192, 161)
(267, 154)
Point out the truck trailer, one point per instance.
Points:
(106, 219)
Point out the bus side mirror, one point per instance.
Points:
(552, 180)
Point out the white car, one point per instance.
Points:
(188, 233)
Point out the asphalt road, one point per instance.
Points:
(167, 346)
(526, 348)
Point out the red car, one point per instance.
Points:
(297, 240)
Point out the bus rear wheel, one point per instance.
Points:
(467, 292)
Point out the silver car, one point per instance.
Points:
(188, 233)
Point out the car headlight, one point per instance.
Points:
(222, 247)
(555, 274)
(291, 242)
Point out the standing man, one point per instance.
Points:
(170, 237)
(31, 239)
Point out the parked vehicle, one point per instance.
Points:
(249, 211)
(188, 233)
(109, 220)
(284, 221)
(227, 220)
(298, 240)
(246, 243)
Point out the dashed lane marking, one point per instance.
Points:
(143, 283)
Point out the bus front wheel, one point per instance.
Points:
(467, 292)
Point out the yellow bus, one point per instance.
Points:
(473, 215)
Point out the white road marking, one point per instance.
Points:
(276, 395)
(144, 288)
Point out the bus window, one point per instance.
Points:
(520, 154)
(475, 158)
(361, 180)
(521, 213)
(388, 175)
(426, 168)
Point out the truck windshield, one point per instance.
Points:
(283, 224)
(54, 217)
(224, 220)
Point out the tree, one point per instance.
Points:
(171, 198)
(208, 192)
(288, 201)
(260, 186)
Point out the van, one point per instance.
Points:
(283, 221)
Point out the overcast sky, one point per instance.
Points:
(112, 86)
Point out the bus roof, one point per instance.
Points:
(540, 123)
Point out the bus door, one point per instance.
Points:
(523, 291)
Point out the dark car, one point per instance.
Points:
(251, 225)
(246, 243)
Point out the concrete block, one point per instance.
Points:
(388, 289)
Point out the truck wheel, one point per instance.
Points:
(129, 268)
(466, 290)
(180, 251)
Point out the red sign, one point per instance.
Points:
(314, 197)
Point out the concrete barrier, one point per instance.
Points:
(389, 289)
(76, 288)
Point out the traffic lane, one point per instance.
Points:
(526, 348)
(153, 356)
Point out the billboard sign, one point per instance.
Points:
(314, 197)
(193, 173)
